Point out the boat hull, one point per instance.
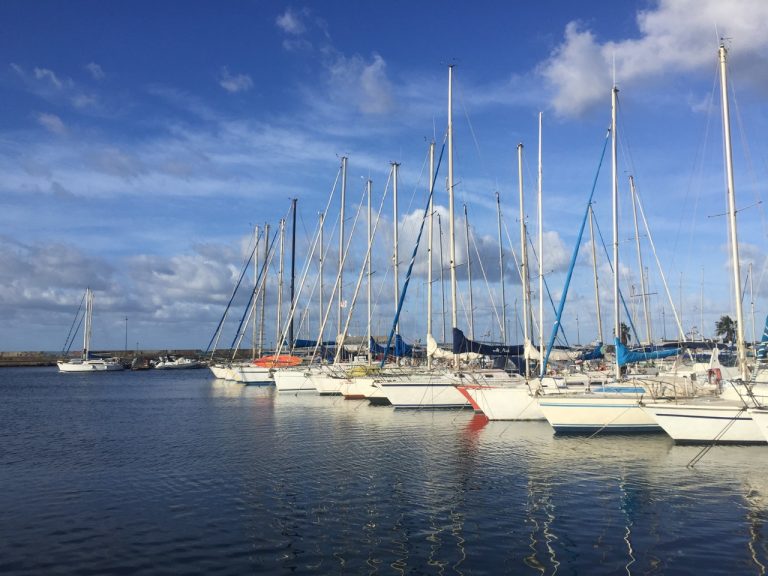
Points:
(589, 414)
(89, 366)
(713, 422)
(504, 403)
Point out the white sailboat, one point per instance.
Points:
(86, 363)
(735, 416)
(614, 407)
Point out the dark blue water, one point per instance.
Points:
(178, 473)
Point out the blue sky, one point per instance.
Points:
(142, 141)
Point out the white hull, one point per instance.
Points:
(505, 403)
(219, 371)
(328, 383)
(760, 418)
(358, 388)
(90, 366)
(427, 390)
(706, 421)
(293, 380)
(250, 374)
(592, 413)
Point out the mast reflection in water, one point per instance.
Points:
(160, 472)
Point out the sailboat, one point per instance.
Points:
(615, 406)
(733, 416)
(86, 363)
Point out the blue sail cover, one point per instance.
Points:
(399, 350)
(301, 343)
(462, 345)
(595, 354)
(762, 348)
(626, 356)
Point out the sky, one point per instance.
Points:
(141, 143)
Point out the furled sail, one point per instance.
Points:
(626, 356)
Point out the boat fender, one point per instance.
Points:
(714, 376)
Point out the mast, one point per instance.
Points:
(541, 262)
(501, 276)
(451, 236)
(615, 184)
(278, 343)
(264, 290)
(370, 274)
(442, 279)
(395, 256)
(523, 261)
(293, 273)
(254, 305)
(735, 262)
(429, 244)
(469, 277)
(594, 269)
(341, 239)
(643, 287)
(88, 321)
(321, 217)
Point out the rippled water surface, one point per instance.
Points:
(175, 472)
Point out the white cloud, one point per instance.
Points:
(291, 22)
(49, 75)
(675, 36)
(96, 71)
(361, 83)
(234, 84)
(52, 123)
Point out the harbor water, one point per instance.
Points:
(174, 472)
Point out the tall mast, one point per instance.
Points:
(293, 273)
(615, 195)
(395, 256)
(594, 269)
(321, 216)
(469, 277)
(735, 262)
(523, 260)
(341, 239)
(451, 237)
(87, 326)
(643, 287)
(264, 290)
(278, 343)
(254, 304)
(442, 279)
(370, 274)
(541, 260)
(429, 244)
(501, 275)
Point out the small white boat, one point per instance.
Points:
(181, 363)
(86, 363)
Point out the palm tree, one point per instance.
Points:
(626, 336)
(726, 327)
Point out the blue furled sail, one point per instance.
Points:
(595, 354)
(399, 350)
(762, 348)
(462, 345)
(626, 356)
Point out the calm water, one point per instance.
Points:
(162, 472)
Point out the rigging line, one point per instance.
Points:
(363, 271)
(253, 296)
(546, 286)
(413, 258)
(574, 256)
(621, 294)
(487, 284)
(217, 333)
(341, 265)
(67, 343)
(472, 133)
